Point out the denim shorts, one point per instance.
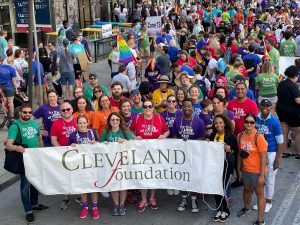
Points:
(8, 91)
(250, 178)
(67, 78)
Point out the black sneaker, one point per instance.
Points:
(40, 207)
(243, 212)
(259, 222)
(217, 216)
(30, 218)
(237, 183)
(224, 217)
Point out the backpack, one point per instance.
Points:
(241, 135)
(202, 85)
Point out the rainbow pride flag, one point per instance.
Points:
(125, 55)
(198, 57)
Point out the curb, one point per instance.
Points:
(13, 179)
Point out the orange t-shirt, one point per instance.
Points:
(237, 17)
(89, 115)
(252, 163)
(100, 119)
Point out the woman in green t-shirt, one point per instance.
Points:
(116, 131)
(266, 83)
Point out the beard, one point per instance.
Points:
(117, 95)
(26, 118)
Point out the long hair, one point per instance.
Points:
(122, 101)
(122, 123)
(267, 67)
(94, 98)
(88, 106)
(228, 129)
(99, 102)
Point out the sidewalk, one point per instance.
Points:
(6, 178)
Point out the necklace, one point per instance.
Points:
(170, 125)
(148, 129)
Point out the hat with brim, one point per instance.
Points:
(163, 79)
(178, 79)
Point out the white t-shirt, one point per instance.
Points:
(212, 64)
(114, 58)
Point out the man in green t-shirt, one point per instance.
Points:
(144, 43)
(137, 101)
(288, 46)
(274, 54)
(30, 138)
(3, 44)
(88, 91)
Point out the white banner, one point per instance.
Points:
(153, 26)
(106, 31)
(155, 164)
(285, 62)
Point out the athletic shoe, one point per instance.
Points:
(30, 218)
(243, 212)
(255, 207)
(195, 207)
(96, 213)
(78, 200)
(170, 192)
(259, 222)
(224, 217)
(116, 210)
(40, 207)
(131, 198)
(153, 203)
(268, 207)
(217, 216)
(84, 213)
(65, 203)
(181, 207)
(105, 194)
(176, 192)
(122, 210)
(142, 206)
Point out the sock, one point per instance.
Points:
(84, 204)
(95, 204)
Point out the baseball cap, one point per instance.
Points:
(92, 75)
(237, 78)
(135, 91)
(66, 41)
(266, 102)
(268, 30)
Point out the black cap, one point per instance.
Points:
(239, 77)
(266, 102)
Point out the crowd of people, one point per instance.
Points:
(213, 74)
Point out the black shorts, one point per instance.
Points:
(290, 117)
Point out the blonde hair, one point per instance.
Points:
(267, 67)
(214, 43)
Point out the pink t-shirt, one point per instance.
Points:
(240, 109)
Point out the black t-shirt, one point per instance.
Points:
(287, 91)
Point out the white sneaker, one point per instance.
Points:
(268, 207)
(170, 192)
(176, 192)
(105, 194)
(255, 207)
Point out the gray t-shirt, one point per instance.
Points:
(66, 61)
(123, 79)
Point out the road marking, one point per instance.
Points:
(297, 218)
(286, 204)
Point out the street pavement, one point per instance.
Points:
(285, 211)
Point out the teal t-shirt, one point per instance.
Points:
(88, 92)
(267, 84)
(137, 110)
(29, 133)
(3, 45)
(115, 136)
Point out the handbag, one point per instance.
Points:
(14, 160)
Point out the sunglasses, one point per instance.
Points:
(249, 122)
(171, 101)
(147, 106)
(115, 119)
(98, 91)
(27, 112)
(66, 110)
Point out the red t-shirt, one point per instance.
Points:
(146, 129)
(191, 62)
(62, 130)
(115, 103)
(240, 109)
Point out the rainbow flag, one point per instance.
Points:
(266, 53)
(151, 64)
(198, 57)
(125, 55)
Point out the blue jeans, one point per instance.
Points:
(29, 194)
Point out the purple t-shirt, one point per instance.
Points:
(191, 130)
(49, 114)
(128, 120)
(227, 113)
(207, 118)
(78, 137)
(170, 118)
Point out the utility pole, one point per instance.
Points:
(30, 50)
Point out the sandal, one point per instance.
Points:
(287, 154)
(297, 156)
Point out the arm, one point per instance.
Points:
(263, 163)
(297, 100)
(54, 141)
(40, 139)
(11, 147)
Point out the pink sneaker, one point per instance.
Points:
(96, 213)
(84, 213)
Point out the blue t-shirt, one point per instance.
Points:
(272, 131)
(164, 39)
(173, 52)
(6, 74)
(197, 109)
(251, 60)
(35, 73)
(249, 94)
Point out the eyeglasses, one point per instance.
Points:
(27, 112)
(171, 101)
(115, 119)
(249, 122)
(66, 110)
(147, 106)
(106, 100)
(98, 91)
(93, 78)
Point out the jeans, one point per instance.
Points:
(29, 194)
